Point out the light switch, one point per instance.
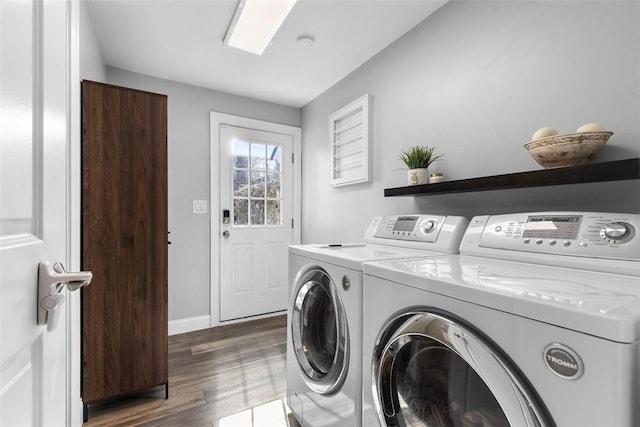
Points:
(199, 206)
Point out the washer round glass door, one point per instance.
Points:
(431, 371)
(319, 331)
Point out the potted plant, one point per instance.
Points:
(418, 159)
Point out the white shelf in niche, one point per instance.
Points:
(350, 143)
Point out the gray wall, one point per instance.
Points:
(476, 79)
(188, 135)
(91, 63)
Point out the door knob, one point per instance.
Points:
(51, 281)
(226, 234)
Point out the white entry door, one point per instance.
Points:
(33, 203)
(256, 220)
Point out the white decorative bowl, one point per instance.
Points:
(567, 150)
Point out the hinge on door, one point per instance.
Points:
(292, 154)
(291, 222)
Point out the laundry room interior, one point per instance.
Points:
(474, 79)
(507, 275)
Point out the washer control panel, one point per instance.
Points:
(599, 235)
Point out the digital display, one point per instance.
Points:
(552, 227)
(405, 223)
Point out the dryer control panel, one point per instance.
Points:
(410, 227)
(431, 232)
(537, 237)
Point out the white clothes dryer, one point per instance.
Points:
(535, 323)
(324, 334)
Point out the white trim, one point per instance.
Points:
(74, 357)
(248, 319)
(352, 165)
(189, 324)
(216, 120)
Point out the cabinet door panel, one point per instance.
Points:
(124, 240)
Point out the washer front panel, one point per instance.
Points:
(319, 331)
(607, 392)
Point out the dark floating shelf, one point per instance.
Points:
(596, 172)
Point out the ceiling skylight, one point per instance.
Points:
(255, 22)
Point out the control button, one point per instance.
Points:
(539, 242)
(428, 226)
(527, 241)
(552, 242)
(566, 243)
(583, 244)
(498, 229)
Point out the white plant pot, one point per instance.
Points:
(418, 176)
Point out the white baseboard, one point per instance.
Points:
(189, 324)
(247, 319)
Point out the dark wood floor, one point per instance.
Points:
(227, 376)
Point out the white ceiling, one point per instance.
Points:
(181, 40)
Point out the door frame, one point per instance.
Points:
(74, 213)
(217, 119)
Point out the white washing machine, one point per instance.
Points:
(535, 323)
(324, 334)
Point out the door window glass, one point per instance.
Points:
(273, 185)
(435, 386)
(273, 212)
(240, 183)
(258, 156)
(274, 158)
(257, 212)
(240, 211)
(319, 335)
(256, 182)
(241, 154)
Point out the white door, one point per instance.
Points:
(256, 189)
(33, 202)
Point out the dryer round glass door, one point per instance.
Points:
(319, 331)
(431, 371)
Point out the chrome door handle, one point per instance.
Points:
(226, 234)
(51, 281)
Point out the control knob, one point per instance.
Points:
(615, 231)
(428, 226)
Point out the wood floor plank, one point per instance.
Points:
(213, 374)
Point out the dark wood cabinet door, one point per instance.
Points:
(124, 241)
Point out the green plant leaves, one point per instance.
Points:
(419, 156)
